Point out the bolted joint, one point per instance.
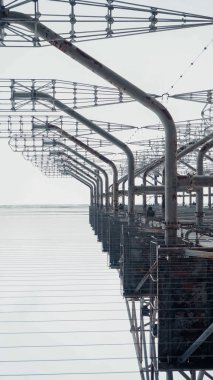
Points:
(109, 19)
(72, 18)
(33, 94)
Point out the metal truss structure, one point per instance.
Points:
(205, 96)
(106, 19)
(19, 124)
(74, 94)
(18, 128)
(163, 256)
(50, 153)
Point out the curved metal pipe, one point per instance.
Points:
(92, 198)
(81, 172)
(127, 87)
(90, 150)
(62, 154)
(86, 176)
(188, 232)
(97, 167)
(69, 111)
(86, 184)
(114, 140)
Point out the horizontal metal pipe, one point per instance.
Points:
(182, 151)
(185, 183)
(202, 181)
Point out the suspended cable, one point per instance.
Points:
(63, 332)
(66, 360)
(67, 345)
(192, 63)
(67, 373)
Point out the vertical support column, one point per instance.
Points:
(123, 195)
(98, 191)
(144, 194)
(200, 375)
(156, 195)
(199, 193)
(183, 200)
(169, 375)
(193, 375)
(209, 197)
(190, 199)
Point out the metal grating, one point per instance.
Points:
(185, 301)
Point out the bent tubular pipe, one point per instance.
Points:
(69, 111)
(86, 176)
(66, 158)
(137, 94)
(97, 167)
(114, 140)
(88, 183)
(90, 150)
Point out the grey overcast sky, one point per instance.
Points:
(152, 61)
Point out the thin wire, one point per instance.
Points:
(61, 303)
(67, 373)
(63, 296)
(69, 345)
(66, 320)
(66, 360)
(188, 68)
(61, 311)
(53, 275)
(57, 290)
(62, 332)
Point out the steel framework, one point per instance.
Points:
(143, 311)
(165, 274)
(85, 20)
